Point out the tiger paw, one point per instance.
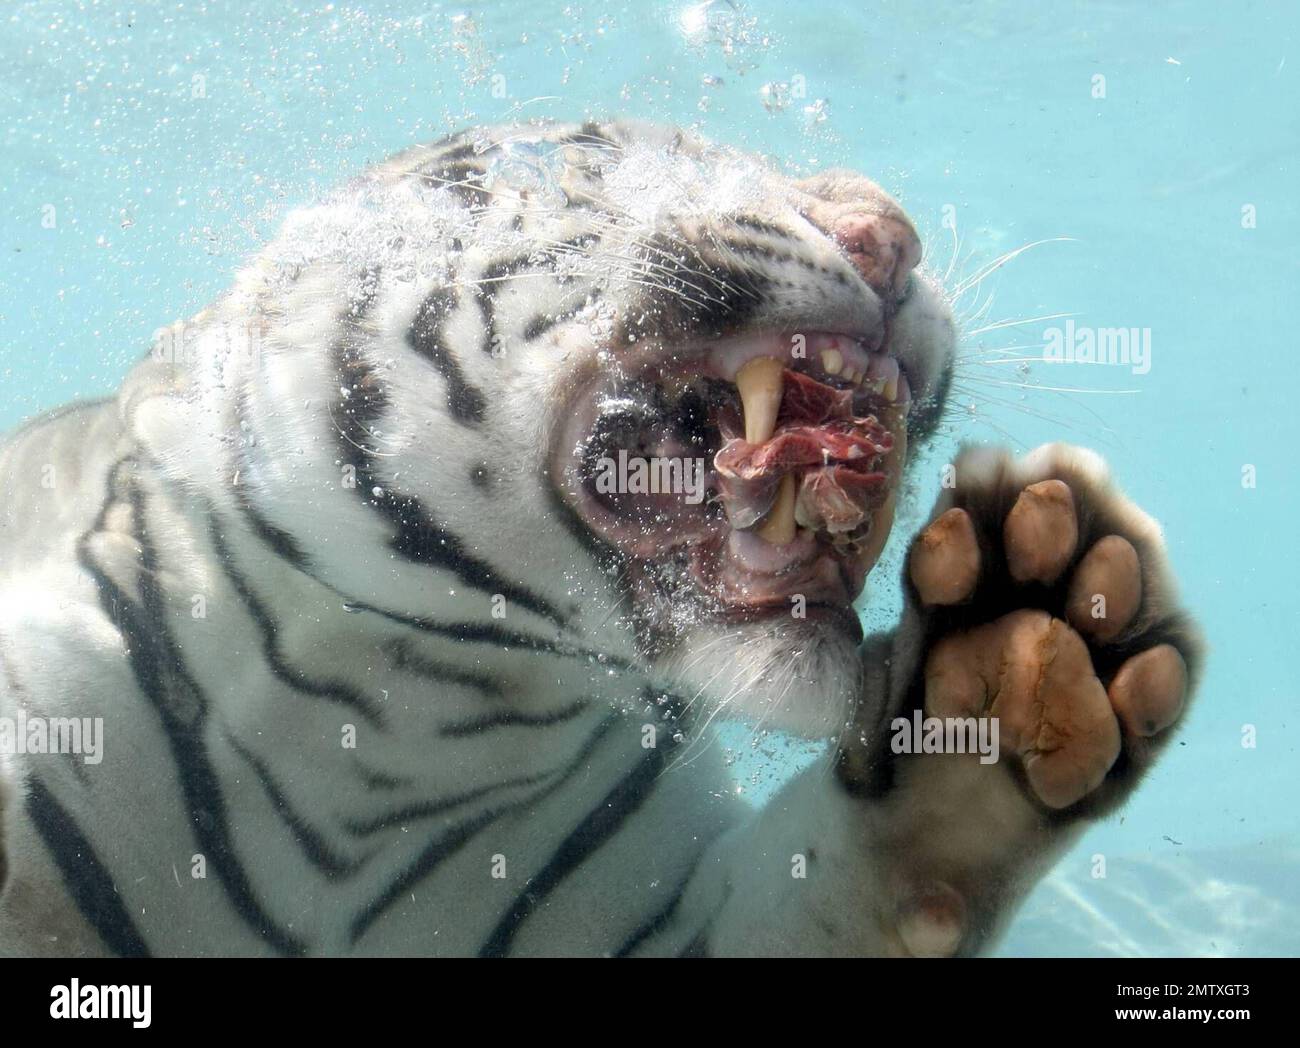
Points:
(1046, 604)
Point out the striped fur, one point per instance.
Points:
(254, 553)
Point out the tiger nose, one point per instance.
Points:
(884, 249)
(870, 228)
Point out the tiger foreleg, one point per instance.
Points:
(1042, 633)
(1037, 672)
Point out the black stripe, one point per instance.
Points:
(423, 539)
(539, 261)
(292, 676)
(377, 780)
(310, 841)
(513, 719)
(782, 257)
(451, 152)
(590, 134)
(419, 537)
(599, 827)
(544, 322)
(462, 179)
(463, 632)
(695, 293)
(444, 846)
(84, 875)
(471, 632)
(418, 665)
(427, 809)
(760, 225)
(466, 632)
(699, 944)
(465, 402)
(455, 168)
(163, 678)
(279, 541)
(491, 633)
(660, 921)
(606, 557)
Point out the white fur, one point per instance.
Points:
(352, 629)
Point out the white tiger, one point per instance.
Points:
(382, 669)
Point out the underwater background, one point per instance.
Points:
(1146, 159)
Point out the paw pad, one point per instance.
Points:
(1108, 580)
(1036, 668)
(1041, 532)
(945, 562)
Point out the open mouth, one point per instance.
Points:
(760, 467)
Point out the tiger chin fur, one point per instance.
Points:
(368, 683)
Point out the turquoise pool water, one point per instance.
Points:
(1152, 157)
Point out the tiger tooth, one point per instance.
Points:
(778, 526)
(882, 376)
(888, 378)
(832, 361)
(760, 385)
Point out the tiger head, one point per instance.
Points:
(606, 384)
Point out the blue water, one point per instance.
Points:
(169, 138)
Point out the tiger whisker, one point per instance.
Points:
(1049, 389)
(975, 279)
(1021, 408)
(1017, 323)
